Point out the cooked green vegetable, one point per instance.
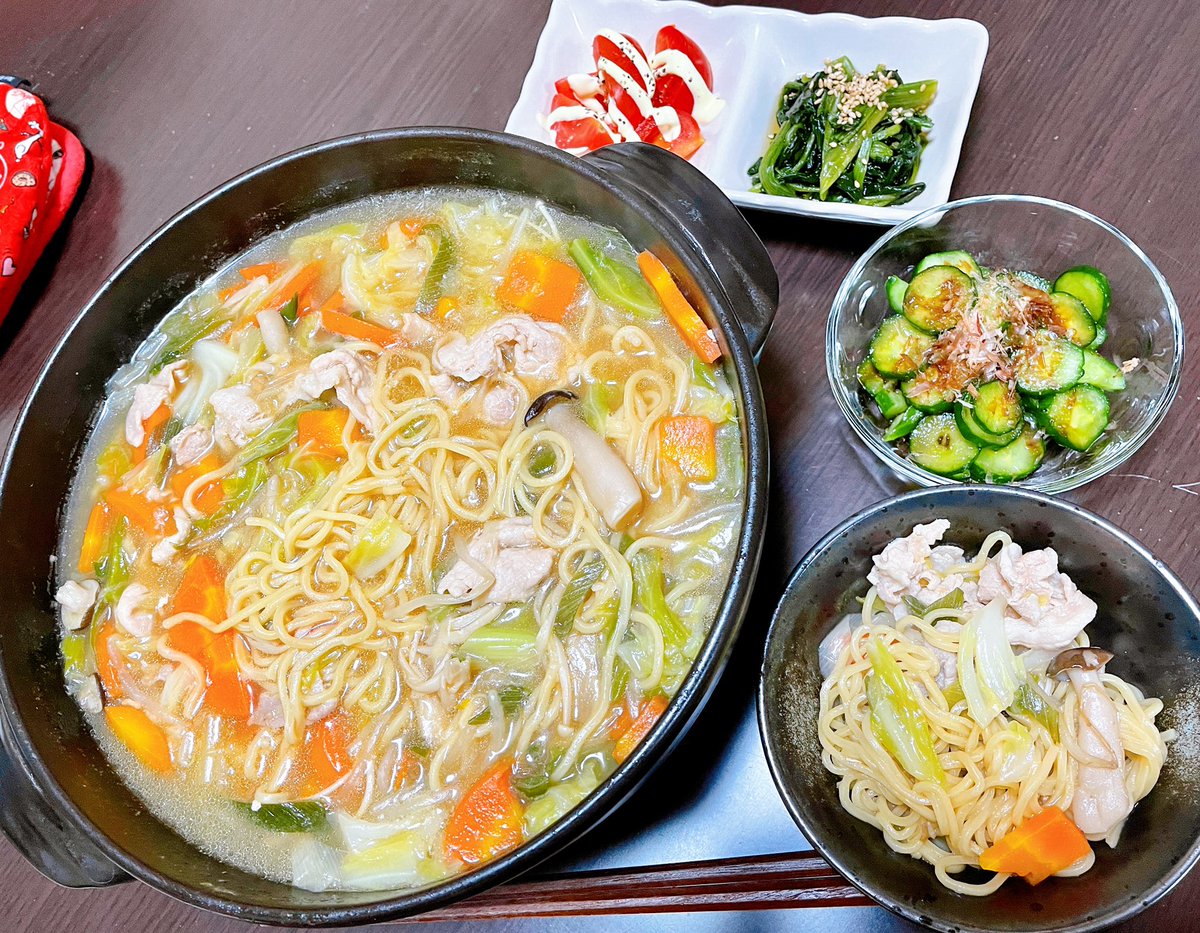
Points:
(621, 285)
(648, 590)
(375, 545)
(896, 717)
(575, 594)
(848, 137)
(290, 310)
(509, 642)
(1032, 705)
(444, 257)
(952, 600)
(304, 816)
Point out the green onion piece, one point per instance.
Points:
(1032, 705)
(896, 717)
(290, 311)
(952, 600)
(576, 594)
(74, 651)
(648, 590)
(304, 816)
(113, 568)
(615, 282)
(184, 331)
(444, 257)
(273, 439)
(541, 460)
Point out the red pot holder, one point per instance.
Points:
(41, 166)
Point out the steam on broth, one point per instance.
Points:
(397, 536)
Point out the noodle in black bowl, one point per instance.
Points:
(1146, 618)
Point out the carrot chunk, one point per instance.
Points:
(1038, 848)
(139, 733)
(157, 419)
(487, 821)
(691, 327)
(208, 498)
(94, 536)
(322, 432)
(346, 326)
(270, 269)
(152, 517)
(327, 751)
(690, 442)
(540, 286)
(649, 714)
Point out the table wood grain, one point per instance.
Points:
(1091, 103)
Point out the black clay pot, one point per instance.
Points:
(60, 802)
(1146, 618)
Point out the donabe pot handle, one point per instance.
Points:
(52, 844)
(723, 239)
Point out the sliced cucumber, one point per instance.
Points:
(1072, 318)
(1101, 373)
(1089, 285)
(891, 402)
(937, 298)
(895, 288)
(897, 348)
(902, 425)
(998, 407)
(1033, 280)
(939, 446)
(1012, 462)
(975, 432)
(1076, 417)
(1047, 363)
(1101, 336)
(869, 378)
(930, 401)
(957, 258)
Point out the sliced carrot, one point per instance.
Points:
(338, 323)
(322, 431)
(107, 665)
(327, 751)
(301, 282)
(202, 590)
(649, 714)
(270, 269)
(141, 736)
(157, 419)
(154, 518)
(539, 285)
(94, 537)
(208, 498)
(335, 302)
(487, 821)
(444, 307)
(411, 226)
(690, 442)
(1038, 848)
(689, 324)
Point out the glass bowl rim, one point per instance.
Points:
(1073, 479)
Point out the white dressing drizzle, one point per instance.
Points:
(705, 104)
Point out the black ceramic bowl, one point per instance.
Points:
(60, 802)
(1147, 618)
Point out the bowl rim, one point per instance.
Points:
(1076, 478)
(682, 710)
(777, 768)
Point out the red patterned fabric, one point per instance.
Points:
(41, 165)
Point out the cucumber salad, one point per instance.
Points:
(977, 370)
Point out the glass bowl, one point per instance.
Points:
(1046, 237)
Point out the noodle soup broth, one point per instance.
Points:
(397, 536)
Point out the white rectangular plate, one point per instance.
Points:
(754, 52)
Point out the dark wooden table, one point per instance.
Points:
(1091, 103)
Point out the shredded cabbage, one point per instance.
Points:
(1016, 756)
(376, 545)
(987, 668)
(214, 363)
(563, 797)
